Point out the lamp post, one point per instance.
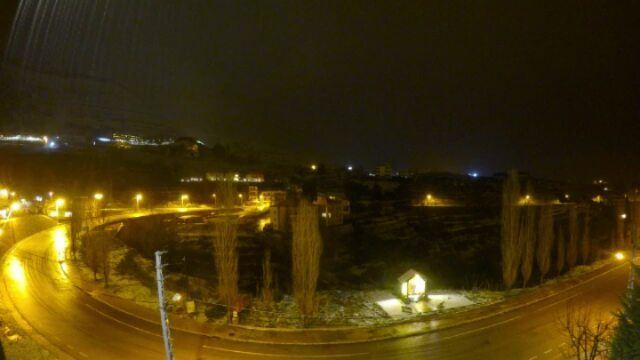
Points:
(215, 199)
(183, 197)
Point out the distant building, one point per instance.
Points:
(274, 196)
(383, 170)
(252, 193)
(279, 216)
(333, 209)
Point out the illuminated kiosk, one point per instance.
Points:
(413, 285)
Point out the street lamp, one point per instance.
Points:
(240, 197)
(314, 167)
(215, 199)
(98, 196)
(138, 199)
(619, 255)
(183, 197)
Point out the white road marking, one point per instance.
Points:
(284, 355)
(533, 357)
(121, 322)
(548, 351)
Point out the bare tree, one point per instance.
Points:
(510, 242)
(97, 246)
(588, 333)
(105, 246)
(545, 240)
(560, 253)
(528, 240)
(585, 246)
(225, 251)
(572, 244)
(305, 253)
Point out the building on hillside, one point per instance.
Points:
(254, 177)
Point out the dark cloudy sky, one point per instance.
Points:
(549, 87)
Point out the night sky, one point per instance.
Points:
(548, 87)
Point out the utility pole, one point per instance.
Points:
(166, 332)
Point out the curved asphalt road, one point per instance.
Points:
(35, 282)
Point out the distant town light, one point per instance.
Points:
(15, 206)
(314, 167)
(566, 196)
(623, 216)
(473, 174)
(138, 197)
(4, 193)
(59, 202)
(350, 168)
(619, 255)
(50, 194)
(38, 198)
(98, 196)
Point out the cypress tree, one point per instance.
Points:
(626, 340)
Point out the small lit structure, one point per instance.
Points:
(413, 285)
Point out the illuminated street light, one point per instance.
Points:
(314, 167)
(183, 197)
(50, 194)
(623, 216)
(15, 206)
(98, 196)
(138, 199)
(350, 168)
(4, 193)
(619, 255)
(59, 204)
